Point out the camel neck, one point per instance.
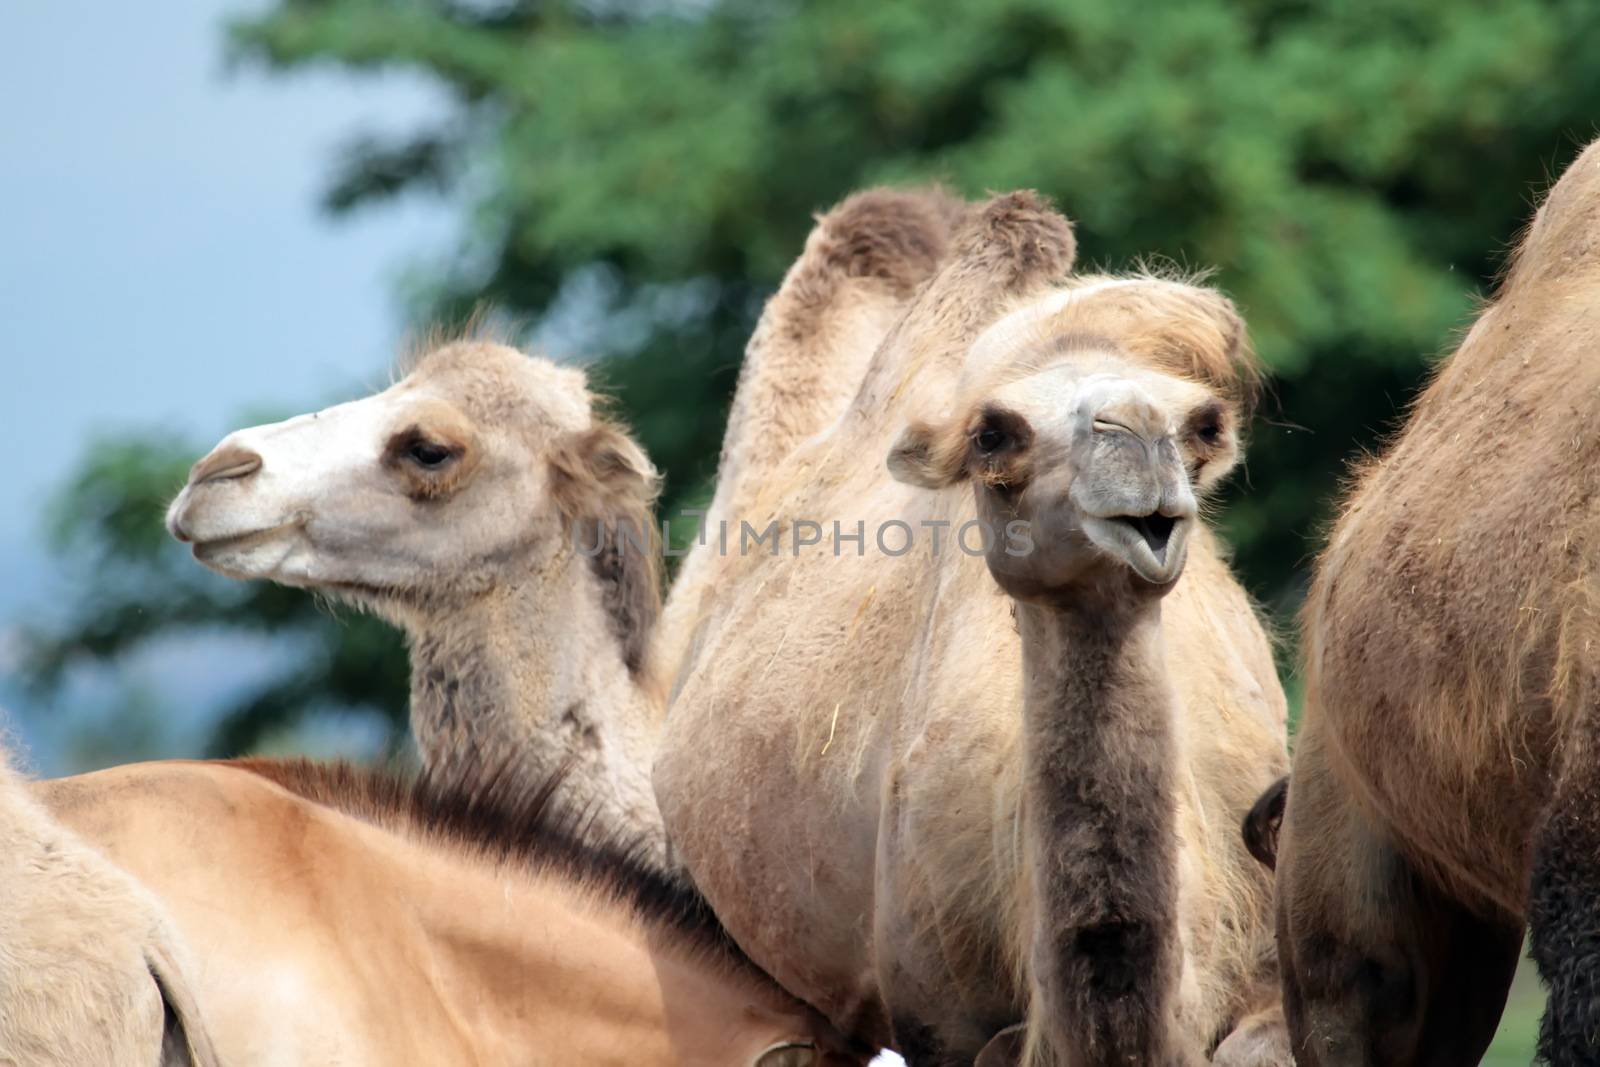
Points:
(1099, 718)
(531, 676)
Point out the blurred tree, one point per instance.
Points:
(1352, 171)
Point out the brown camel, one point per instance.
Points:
(91, 969)
(1447, 772)
(336, 917)
(903, 807)
(484, 507)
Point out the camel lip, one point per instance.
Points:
(211, 546)
(1154, 546)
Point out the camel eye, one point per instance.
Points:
(990, 440)
(429, 455)
(1209, 433)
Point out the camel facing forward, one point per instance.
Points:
(926, 823)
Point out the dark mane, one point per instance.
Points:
(496, 819)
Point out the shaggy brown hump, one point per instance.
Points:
(1019, 235)
(896, 235)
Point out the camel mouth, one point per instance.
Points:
(1155, 530)
(225, 554)
(1154, 545)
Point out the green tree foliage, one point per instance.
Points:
(1352, 171)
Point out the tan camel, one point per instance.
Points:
(335, 917)
(91, 971)
(484, 507)
(1447, 770)
(899, 805)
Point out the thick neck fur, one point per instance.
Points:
(1101, 841)
(531, 674)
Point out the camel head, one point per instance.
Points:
(479, 459)
(1098, 416)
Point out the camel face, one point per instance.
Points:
(1098, 453)
(412, 494)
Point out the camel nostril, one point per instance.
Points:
(225, 464)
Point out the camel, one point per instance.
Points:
(890, 791)
(91, 970)
(482, 505)
(1446, 772)
(337, 916)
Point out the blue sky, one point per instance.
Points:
(163, 260)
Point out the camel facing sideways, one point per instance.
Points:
(484, 507)
(337, 918)
(970, 824)
(1446, 785)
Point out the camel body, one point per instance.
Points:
(1444, 781)
(843, 765)
(334, 918)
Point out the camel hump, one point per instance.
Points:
(898, 236)
(1017, 239)
(1564, 237)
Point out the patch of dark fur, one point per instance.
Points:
(1431, 995)
(451, 691)
(1019, 237)
(497, 817)
(619, 554)
(1564, 920)
(1106, 866)
(896, 235)
(918, 1044)
(1264, 821)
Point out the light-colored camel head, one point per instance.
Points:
(420, 496)
(1096, 416)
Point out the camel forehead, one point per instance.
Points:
(495, 385)
(1047, 397)
(1091, 314)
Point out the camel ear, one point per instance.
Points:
(600, 473)
(1262, 824)
(927, 456)
(605, 487)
